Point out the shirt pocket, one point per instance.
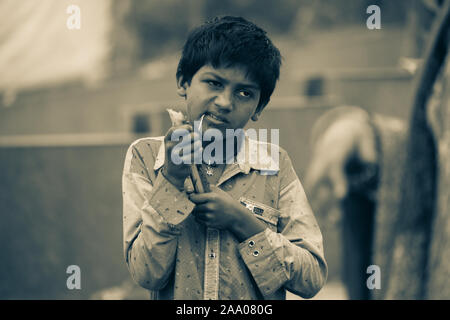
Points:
(262, 211)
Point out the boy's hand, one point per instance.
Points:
(179, 153)
(217, 209)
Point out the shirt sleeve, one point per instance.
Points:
(153, 210)
(293, 256)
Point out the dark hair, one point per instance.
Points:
(232, 41)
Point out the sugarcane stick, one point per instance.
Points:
(198, 179)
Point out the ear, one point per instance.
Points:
(182, 87)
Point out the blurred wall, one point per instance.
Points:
(384, 90)
(60, 206)
(75, 109)
(113, 107)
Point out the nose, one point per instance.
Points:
(224, 101)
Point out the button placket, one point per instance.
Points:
(211, 280)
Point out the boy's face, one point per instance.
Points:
(225, 95)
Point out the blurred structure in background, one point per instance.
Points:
(71, 101)
(390, 179)
(38, 50)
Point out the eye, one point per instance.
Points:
(245, 94)
(214, 83)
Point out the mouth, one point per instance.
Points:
(215, 118)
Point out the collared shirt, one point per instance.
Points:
(165, 247)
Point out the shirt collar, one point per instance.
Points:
(159, 162)
(247, 157)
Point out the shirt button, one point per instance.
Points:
(256, 253)
(251, 243)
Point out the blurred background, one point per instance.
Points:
(72, 100)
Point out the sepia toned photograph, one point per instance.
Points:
(225, 150)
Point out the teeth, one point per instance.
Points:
(214, 117)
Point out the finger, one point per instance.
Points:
(200, 217)
(201, 221)
(193, 157)
(184, 138)
(204, 217)
(201, 208)
(199, 198)
(186, 127)
(186, 159)
(189, 145)
(187, 153)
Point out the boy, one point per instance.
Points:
(253, 235)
